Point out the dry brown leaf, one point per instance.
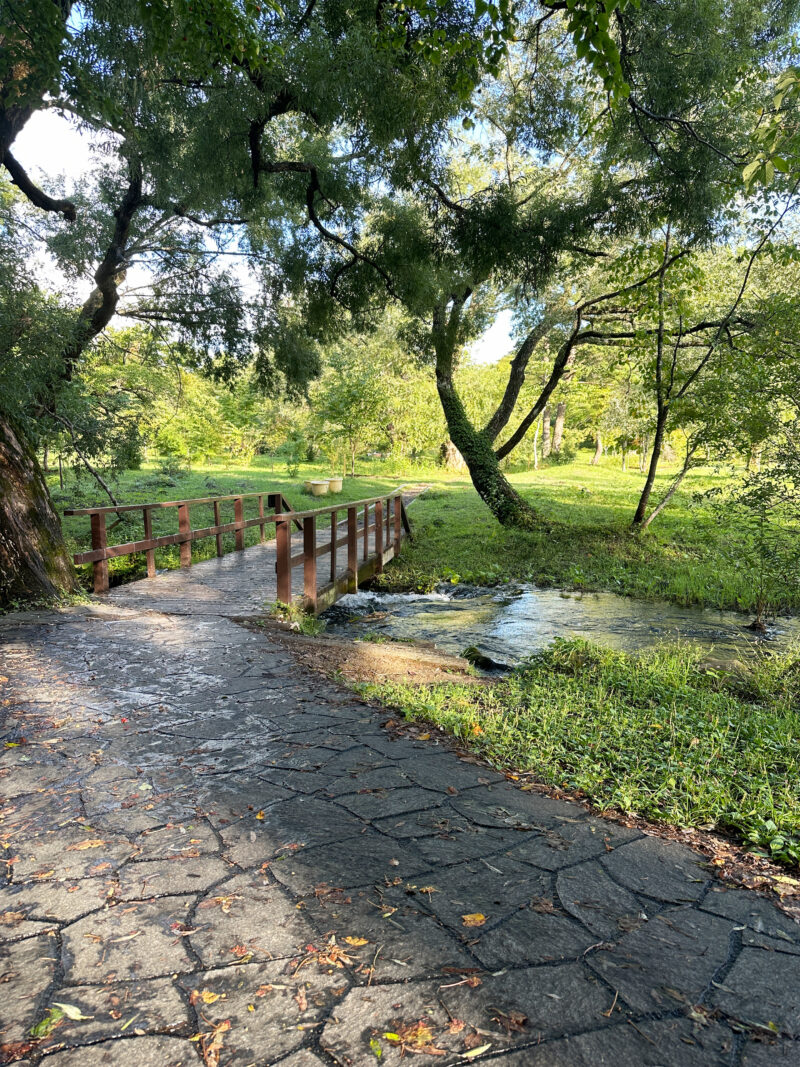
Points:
(9, 918)
(543, 905)
(475, 918)
(512, 1021)
(206, 996)
(301, 998)
(212, 1043)
(82, 846)
(356, 942)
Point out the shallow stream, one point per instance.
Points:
(506, 624)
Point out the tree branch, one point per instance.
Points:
(32, 191)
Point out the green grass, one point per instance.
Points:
(208, 479)
(693, 553)
(650, 734)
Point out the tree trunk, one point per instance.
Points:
(451, 458)
(643, 453)
(352, 459)
(558, 428)
(33, 558)
(658, 443)
(670, 493)
(546, 441)
(536, 447)
(624, 459)
(598, 448)
(492, 486)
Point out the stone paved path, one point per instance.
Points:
(203, 839)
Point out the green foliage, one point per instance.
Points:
(654, 734)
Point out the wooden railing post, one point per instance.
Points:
(262, 537)
(379, 534)
(366, 531)
(398, 523)
(352, 549)
(333, 546)
(185, 529)
(238, 518)
(100, 566)
(283, 562)
(148, 536)
(310, 561)
(217, 537)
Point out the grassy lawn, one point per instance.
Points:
(692, 554)
(650, 734)
(203, 480)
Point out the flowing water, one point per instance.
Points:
(510, 623)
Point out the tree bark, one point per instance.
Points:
(670, 493)
(658, 444)
(558, 428)
(492, 486)
(643, 453)
(598, 448)
(475, 446)
(34, 563)
(546, 440)
(452, 460)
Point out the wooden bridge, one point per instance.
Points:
(362, 536)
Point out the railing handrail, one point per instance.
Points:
(233, 496)
(163, 504)
(343, 505)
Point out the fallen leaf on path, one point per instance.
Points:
(82, 846)
(475, 918)
(71, 1011)
(473, 1052)
(46, 1025)
(127, 937)
(301, 999)
(8, 918)
(512, 1021)
(356, 942)
(212, 1043)
(205, 995)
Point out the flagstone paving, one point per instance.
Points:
(202, 838)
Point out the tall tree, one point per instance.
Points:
(553, 171)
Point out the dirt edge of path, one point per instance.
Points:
(370, 661)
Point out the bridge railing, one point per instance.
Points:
(101, 552)
(372, 532)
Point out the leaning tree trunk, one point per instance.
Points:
(598, 448)
(546, 439)
(493, 487)
(558, 427)
(33, 558)
(658, 444)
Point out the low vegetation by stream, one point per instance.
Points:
(659, 735)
